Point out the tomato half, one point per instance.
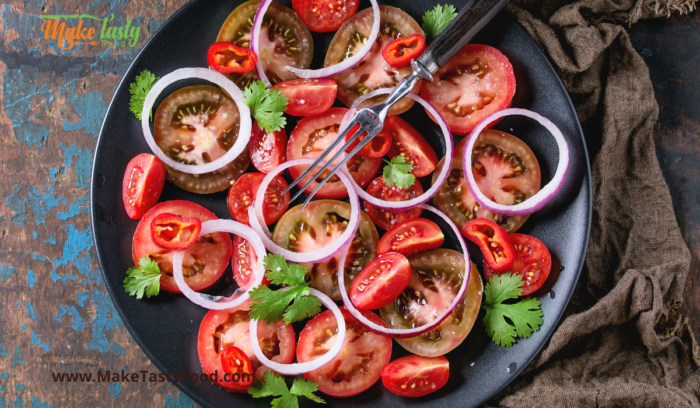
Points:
(221, 329)
(205, 261)
(416, 376)
(493, 242)
(407, 142)
(376, 148)
(360, 363)
(237, 364)
(532, 261)
(402, 50)
(310, 137)
(229, 58)
(475, 83)
(322, 16)
(143, 182)
(411, 237)
(244, 263)
(241, 196)
(388, 218)
(267, 150)
(308, 97)
(381, 281)
(171, 231)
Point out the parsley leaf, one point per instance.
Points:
(398, 173)
(139, 89)
(525, 316)
(437, 19)
(270, 305)
(273, 385)
(143, 279)
(266, 105)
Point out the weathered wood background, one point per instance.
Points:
(55, 314)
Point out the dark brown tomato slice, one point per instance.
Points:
(242, 195)
(506, 171)
(358, 366)
(244, 263)
(319, 224)
(267, 150)
(386, 219)
(205, 261)
(372, 72)
(411, 237)
(310, 138)
(221, 329)
(197, 125)
(436, 276)
(322, 16)
(475, 83)
(284, 40)
(407, 142)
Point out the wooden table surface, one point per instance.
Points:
(56, 314)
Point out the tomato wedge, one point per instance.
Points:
(267, 150)
(381, 281)
(376, 148)
(388, 218)
(402, 50)
(411, 237)
(308, 97)
(532, 261)
(416, 376)
(143, 182)
(493, 241)
(409, 143)
(171, 231)
(244, 262)
(228, 58)
(241, 195)
(322, 16)
(237, 366)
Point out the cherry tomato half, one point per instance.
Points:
(411, 237)
(308, 97)
(244, 263)
(322, 16)
(493, 241)
(267, 150)
(376, 148)
(532, 261)
(241, 195)
(143, 182)
(415, 376)
(388, 218)
(402, 50)
(409, 143)
(237, 364)
(381, 281)
(171, 231)
(228, 58)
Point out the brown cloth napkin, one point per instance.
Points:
(620, 342)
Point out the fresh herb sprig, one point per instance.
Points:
(139, 89)
(273, 385)
(437, 19)
(143, 279)
(266, 105)
(397, 173)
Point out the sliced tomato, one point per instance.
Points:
(493, 241)
(143, 182)
(400, 52)
(221, 329)
(205, 261)
(407, 142)
(229, 58)
(532, 261)
(475, 83)
(244, 263)
(360, 363)
(241, 196)
(310, 137)
(506, 171)
(171, 231)
(308, 97)
(322, 16)
(416, 376)
(388, 218)
(411, 237)
(237, 365)
(376, 148)
(267, 150)
(381, 281)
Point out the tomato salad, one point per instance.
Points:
(403, 286)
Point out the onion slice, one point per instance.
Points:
(301, 368)
(428, 194)
(546, 194)
(231, 89)
(241, 295)
(406, 333)
(349, 63)
(257, 221)
(255, 35)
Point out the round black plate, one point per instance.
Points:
(166, 326)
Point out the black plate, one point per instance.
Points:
(166, 326)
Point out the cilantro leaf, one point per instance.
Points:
(273, 385)
(525, 316)
(304, 306)
(304, 388)
(397, 173)
(437, 19)
(266, 105)
(139, 89)
(281, 273)
(144, 278)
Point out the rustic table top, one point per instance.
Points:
(56, 314)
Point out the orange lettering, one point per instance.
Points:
(91, 33)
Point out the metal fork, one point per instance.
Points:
(472, 18)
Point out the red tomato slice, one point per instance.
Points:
(407, 142)
(532, 261)
(237, 364)
(205, 261)
(267, 150)
(244, 262)
(388, 218)
(411, 237)
(381, 281)
(143, 182)
(376, 148)
(171, 231)
(322, 16)
(360, 363)
(416, 376)
(241, 195)
(308, 97)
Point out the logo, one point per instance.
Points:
(85, 34)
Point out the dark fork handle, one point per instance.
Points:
(472, 18)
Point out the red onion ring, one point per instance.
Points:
(230, 88)
(241, 294)
(301, 368)
(349, 63)
(546, 194)
(407, 333)
(255, 35)
(257, 221)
